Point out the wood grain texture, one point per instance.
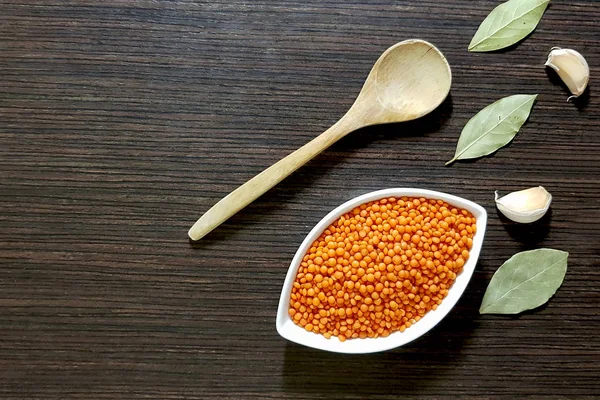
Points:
(122, 121)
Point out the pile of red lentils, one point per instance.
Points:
(379, 268)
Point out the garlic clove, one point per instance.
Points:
(571, 67)
(525, 206)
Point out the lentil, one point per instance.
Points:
(381, 267)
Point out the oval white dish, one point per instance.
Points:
(292, 332)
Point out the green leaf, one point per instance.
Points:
(507, 24)
(493, 127)
(527, 280)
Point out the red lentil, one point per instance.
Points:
(381, 267)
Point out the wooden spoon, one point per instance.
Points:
(409, 80)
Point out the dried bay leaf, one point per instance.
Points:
(507, 24)
(526, 281)
(493, 127)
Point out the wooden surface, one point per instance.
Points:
(122, 121)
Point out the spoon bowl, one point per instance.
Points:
(409, 80)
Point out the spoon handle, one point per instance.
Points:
(261, 183)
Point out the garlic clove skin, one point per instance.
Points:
(525, 206)
(572, 69)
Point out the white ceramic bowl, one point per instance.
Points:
(290, 331)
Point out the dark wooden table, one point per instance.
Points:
(121, 122)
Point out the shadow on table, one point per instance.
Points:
(423, 126)
(529, 235)
(410, 370)
(308, 175)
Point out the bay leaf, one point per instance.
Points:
(527, 280)
(493, 127)
(507, 24)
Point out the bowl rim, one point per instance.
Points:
(294, 333)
